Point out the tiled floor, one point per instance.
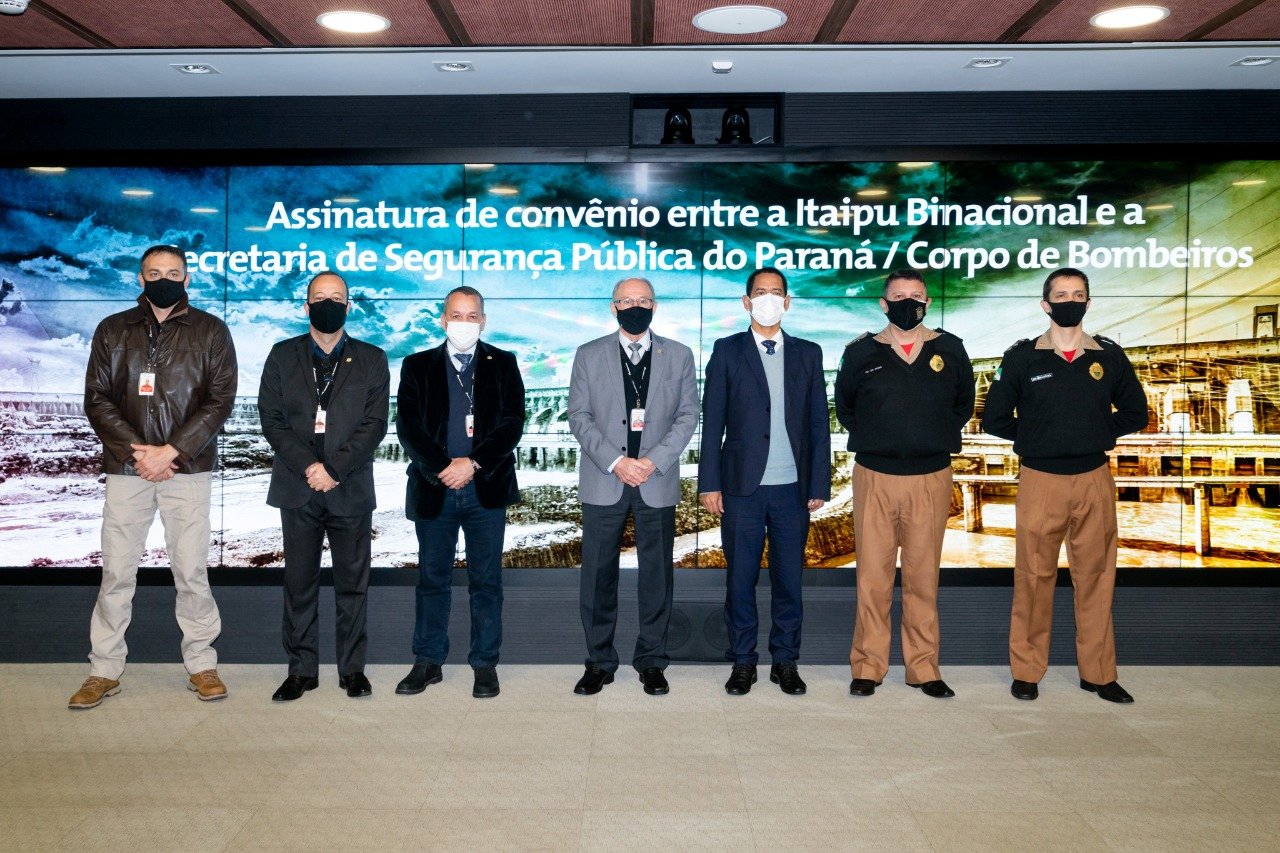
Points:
(1193, 765)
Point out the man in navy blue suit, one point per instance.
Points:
(765, 465)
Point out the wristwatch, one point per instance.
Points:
(475, 466)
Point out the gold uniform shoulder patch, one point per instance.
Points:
(936, 363)
(1095, 370)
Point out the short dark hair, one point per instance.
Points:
(345, 287)
(465, 291)
(162, 249)
(1065, 272)
(901, 275)
(751, 279)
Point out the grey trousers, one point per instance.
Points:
(130, 507)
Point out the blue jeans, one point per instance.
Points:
(437, 545)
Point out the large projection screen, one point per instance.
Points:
(1182, 257)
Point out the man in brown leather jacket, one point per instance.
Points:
(160, 383)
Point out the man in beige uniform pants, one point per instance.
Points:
(903, 395)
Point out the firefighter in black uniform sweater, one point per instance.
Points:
(1063, 399)
(904, 395)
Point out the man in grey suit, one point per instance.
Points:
(633, 406)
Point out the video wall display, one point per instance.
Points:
(1182, 259)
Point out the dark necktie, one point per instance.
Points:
(464, 358)
(768, 346)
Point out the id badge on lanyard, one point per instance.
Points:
(322, 418)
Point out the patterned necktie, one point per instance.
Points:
(768, 346)
(635, 351)
(464, 358)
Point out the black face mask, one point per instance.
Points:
(1067, 314)
(164, 292)
(906, 314)
(635, 320)
(328, 316)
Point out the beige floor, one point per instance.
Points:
(1193, 765)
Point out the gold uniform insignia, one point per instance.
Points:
(1095, 370)
(936, 363)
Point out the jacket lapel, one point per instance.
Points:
(305, 370)
(792, 383)
(344, 367)
(751, 355)
(613, 373)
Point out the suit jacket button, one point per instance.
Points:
(766, 436)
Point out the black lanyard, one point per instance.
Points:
(457, 374)
(330, 368)
(644, 371)
(153, 345)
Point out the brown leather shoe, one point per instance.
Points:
(207, 686)
(92, 692)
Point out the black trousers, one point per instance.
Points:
(601, 544)
(350, 544)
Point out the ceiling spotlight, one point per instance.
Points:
(1026, 198)
(735, 127)
(721, 66)
(739, 20)
(47, 170)
(478, 167)
(503, 189)
(353, 22)
(915, 164)
(872, 192)
(677, 127)
(137, 193)
(1126, 17)
(988, 62)
(192, 68)
(1254, 61)
(454, 67)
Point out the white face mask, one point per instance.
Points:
(462, 335)
(767, 310)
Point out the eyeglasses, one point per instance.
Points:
(171, 275)
(327, 299)
(629, 302)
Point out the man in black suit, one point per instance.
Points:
(323, 407)
(460, 416)
(761, 383)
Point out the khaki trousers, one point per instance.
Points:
(1082, 509)
(130, 507)
(892, 512)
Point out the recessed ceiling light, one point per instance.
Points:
(135, 192)
(915, 164)
(47, 170)
(192, 68)
(721, 66)
(454, 67)
(502, 189)
(345, 199)
(353, 22)
(478, 167)
(872, 192)
(205, 210)
(988, 62)
(739, 20)
(1126, 17)
(1248, 182)
(1254, 61)
(1027, 197)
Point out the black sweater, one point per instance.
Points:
(1064, 423)
(905, 418)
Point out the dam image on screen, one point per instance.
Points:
(1183, 260)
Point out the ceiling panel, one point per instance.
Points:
(161, 23)
(568, 22)
(1069, 21)
(1261, 22)
(412, 22)
(34, 30)
(673, 22)
(929, 22)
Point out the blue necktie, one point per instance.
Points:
(768, 346)
(464, 358)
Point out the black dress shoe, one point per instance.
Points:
(293, 688)
(787, 676)
(862, 687)
(1026, 690)
(592, 681)
(655, 683)
(419, 677)
(938, 689)
(741, 679)
(355, 684)
(486, 684)
(1111, 691)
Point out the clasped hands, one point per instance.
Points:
(634, 472)
(154, 462)
(318, 478)
(459, 472)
